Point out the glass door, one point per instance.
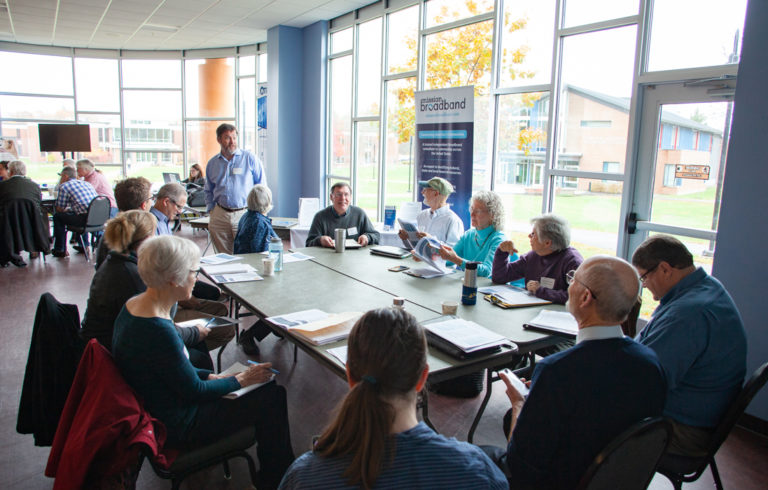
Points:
(684, 133)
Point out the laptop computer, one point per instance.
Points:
(169, 177)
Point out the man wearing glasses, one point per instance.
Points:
(341, 214)
(699, 336)
(169, 203)
(582, 398)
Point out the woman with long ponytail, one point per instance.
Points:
(375, 439)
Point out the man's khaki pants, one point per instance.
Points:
(222, 226)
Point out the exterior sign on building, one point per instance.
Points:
(444, 135)
(697, 172)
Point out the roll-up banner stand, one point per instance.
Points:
(444, 135)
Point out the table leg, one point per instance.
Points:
(488, 390)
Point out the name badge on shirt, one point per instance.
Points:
(352, 231)
(547, 282)
(237, 171)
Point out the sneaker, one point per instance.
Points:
(60, 253)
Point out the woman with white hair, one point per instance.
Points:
(86, 170)
(478, 244)
(546, 266)
(150, 355)
(255, 228)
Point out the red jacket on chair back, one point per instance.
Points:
(102, 425)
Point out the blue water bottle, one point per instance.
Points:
(276, 252)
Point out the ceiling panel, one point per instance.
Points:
(203, 23)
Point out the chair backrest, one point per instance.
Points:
(98, 212)
(630, 460)
(629, 326)
(737, 407)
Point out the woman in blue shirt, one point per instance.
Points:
(255, 229)
(375, 440)
(479, 243)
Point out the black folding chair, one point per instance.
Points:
(98, 214)
(630, 460)
(685, 469)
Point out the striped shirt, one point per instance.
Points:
(75, 195)
(423, 459)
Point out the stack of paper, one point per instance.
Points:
(467, 336)
(224, 273)
(316, 326)
(554, 321)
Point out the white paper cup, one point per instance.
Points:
(268, 266)
(450, 307)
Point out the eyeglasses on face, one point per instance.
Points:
(571, 276)
(645, 276)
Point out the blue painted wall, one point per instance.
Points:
(285, 72)
(741, 259)
(314, 107)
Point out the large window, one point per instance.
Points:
(559, 90)
(553, 94)
(148, 113)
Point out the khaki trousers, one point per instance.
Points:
(222, 226)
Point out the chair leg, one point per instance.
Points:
(715, 473)
(81, 241)
(251, 467)
(227, 473)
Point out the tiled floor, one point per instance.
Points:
(312, 393)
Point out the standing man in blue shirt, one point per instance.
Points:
(699, 336)
(229, 177)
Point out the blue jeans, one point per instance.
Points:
(60, 222)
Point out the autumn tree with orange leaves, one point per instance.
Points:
(460, 57)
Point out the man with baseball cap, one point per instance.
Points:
(437, 221)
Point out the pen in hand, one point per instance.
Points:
(257, 363)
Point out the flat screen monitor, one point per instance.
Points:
(64, 137)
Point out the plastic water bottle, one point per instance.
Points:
(276, 252)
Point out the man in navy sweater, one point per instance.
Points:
(582, 398)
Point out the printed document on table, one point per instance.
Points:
(468, 336)
(513, 295)
(554, 321)
(325, 329)
(295, 257)
(227, 269)
(237, 368)
(339, 353)
(225, 273)
(219, 259)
